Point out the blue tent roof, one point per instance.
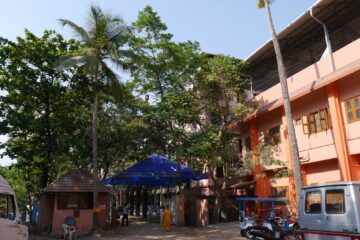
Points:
(156, 170)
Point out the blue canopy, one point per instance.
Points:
(156, 170)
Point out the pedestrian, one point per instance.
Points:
(167, 218)
(125, 216)
(161, 213)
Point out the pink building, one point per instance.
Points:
(324, 86)
(72, 196)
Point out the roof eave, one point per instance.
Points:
(291, 27)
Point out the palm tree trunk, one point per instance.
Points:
(95, 154)
(285, 94)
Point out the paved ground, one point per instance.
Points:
(141, 230)
(147, 231)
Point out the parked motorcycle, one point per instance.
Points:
(245, 224)
(271, 232)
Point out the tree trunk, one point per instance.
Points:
(145, 198)
(216, 212)
(138, 201)
(287, 106)
(45, 175)
(95, 153)
(217, 193)
(132, 201)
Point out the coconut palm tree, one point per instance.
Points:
(100, 46)
(285, 94)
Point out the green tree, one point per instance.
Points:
(36, 108)
(266, 160)
(122, 133)
(100, 45)
(285, 95)
(166, 71)
(223, 102)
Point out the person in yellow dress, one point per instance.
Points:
(167, 218)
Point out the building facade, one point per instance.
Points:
(324, 87)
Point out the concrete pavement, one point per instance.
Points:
(141, 230)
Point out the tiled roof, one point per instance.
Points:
(76, 180)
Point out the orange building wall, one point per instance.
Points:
(349, 89)
(331, 155)
(262, 183)
(308, 79)
(322, 172)
(314, 147)
(269, 120)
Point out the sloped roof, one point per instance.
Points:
(5, 187)
(77, 180)
(298, 23)
(303, 42)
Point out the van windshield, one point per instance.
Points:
(7, 206)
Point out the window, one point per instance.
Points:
(7, 206)
(353, 109)
(305, 122)
(273, 136)
(75, 201)
(280, 192)
(335, 201)
(316, 122)
(313, 202)
(297, 121)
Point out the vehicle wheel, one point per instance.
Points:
(248, 235)
(242, 233)
(285, 237)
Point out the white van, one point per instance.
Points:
(10, 226)
(330, 211)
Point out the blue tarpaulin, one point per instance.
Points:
(156, 170)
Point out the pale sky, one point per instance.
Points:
(231, 27)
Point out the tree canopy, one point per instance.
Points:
(178, 101)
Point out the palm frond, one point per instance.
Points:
(92, 65)
(78, 31)
(261, 3)
(89, 51)
(119, 63)
(95, 13)
(104, 35)
(68, 61)
(112, 50)
(116, 88)
(94, 21)
(115, 29)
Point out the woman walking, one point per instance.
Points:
(167, 218)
